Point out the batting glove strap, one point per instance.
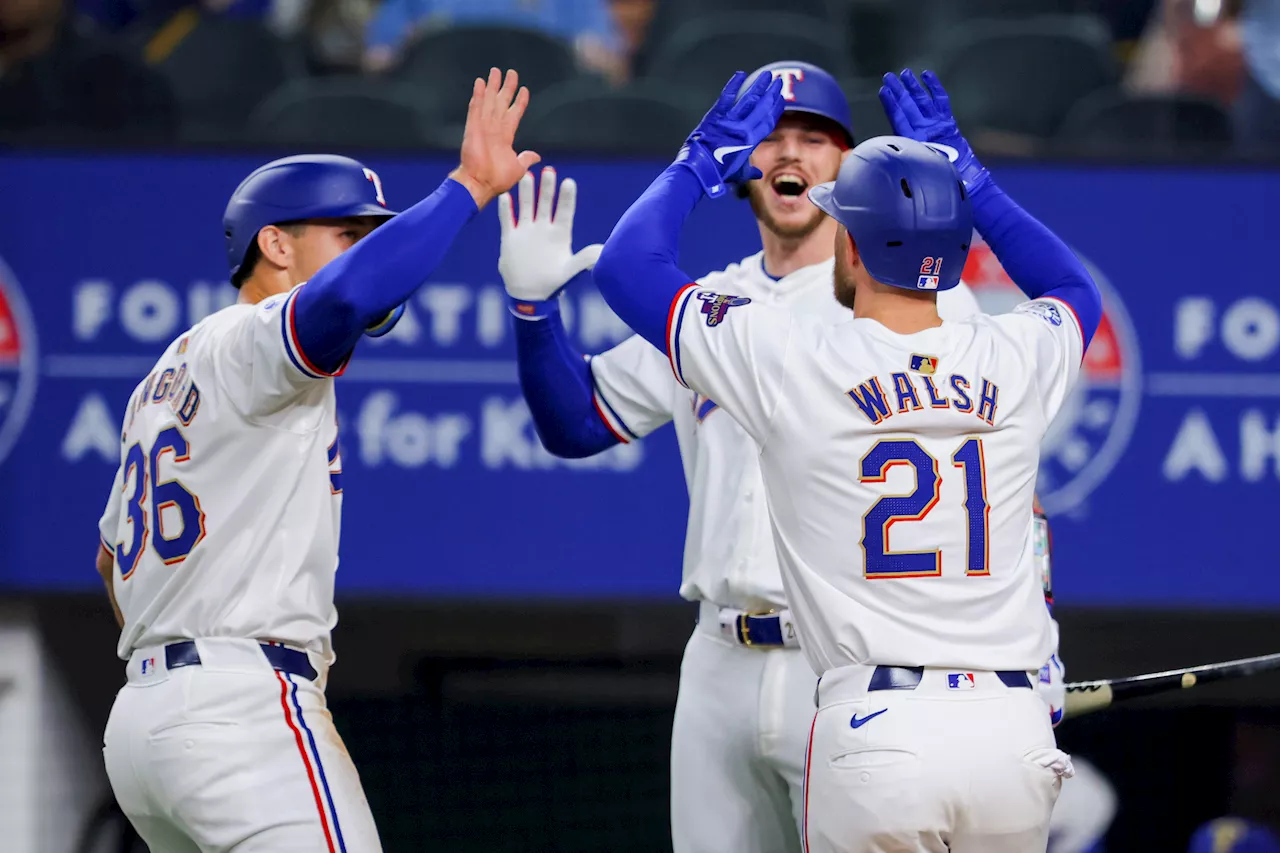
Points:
(532, 309)
(697, 159)
(719, 150)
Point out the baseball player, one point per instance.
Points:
(220, 535)
(899, 454)
(745, 699)
(744, 708)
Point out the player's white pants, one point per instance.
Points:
(935, 769)
(737, 746)
(232, 756)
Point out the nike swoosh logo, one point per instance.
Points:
(726, 150)
(952, 154)
(856, 723)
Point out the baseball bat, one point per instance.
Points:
(1085, 697)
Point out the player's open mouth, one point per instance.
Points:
(789, 185)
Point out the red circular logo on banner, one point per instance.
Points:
(18, 373)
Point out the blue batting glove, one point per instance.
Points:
(925, 116)
(387, 323)
(719, 149)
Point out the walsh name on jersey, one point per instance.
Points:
(914, 393)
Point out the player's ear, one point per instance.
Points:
(275, 246)
(846, 245)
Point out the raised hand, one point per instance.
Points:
(536, 258)
(719, 149)
(489, 163)
(925, 116)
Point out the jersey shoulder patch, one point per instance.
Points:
(715, 306)
(1046, 311)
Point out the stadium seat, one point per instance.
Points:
(697, 59)
(337, 112)
(440, 67)
(1022, 77)
(670, 16)
(1114, 123)
(219, 69)
(588, 116)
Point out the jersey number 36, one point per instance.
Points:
(171, 542)
(880, 562)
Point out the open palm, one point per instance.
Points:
(489, 163)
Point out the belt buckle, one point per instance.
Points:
(743, 631)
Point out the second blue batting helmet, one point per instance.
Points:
(906, 209)
(307, 186)
(806, 88)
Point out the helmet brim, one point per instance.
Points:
(820, 196)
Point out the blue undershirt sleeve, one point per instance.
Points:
(358, 288)
(1035, 258)
(637, 272)
(557, 385)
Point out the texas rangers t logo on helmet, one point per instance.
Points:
(377, 185)
(716, 306)
(789, 77)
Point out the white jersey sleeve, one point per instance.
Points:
(255, 354)
(732, 351)
(109, 523)
(634, 389)
(958, 303)
(1049, 336)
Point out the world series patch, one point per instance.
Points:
(716, 306)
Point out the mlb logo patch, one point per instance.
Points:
(960, 681)
(148, 666)
(716, 306)
(927, 282)
(926, 364)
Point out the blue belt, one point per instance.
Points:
(763, 630)
(908, 678)
(282, 658)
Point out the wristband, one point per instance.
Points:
(533, 309)
(695, 157)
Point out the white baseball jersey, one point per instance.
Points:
(224, 516)
(729, 555)
(899, 470)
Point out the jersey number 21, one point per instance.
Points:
(891, 509)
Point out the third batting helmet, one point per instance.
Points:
(906, 209)
(806, 88)
(308, 186)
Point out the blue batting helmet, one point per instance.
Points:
(905, 207)
(307, 186)
(806, 88)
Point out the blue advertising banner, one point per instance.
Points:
(1162, 475)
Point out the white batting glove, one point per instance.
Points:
(1052, 687)
(537, 260)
